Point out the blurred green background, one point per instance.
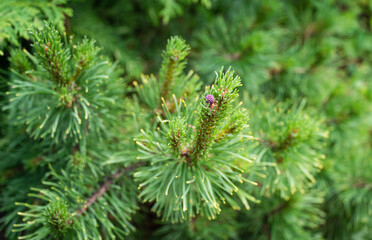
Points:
(317, 51)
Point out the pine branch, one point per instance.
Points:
(69, 86)
(169, 77)
(266, 231)
(174, 62)
(215, 108)
(105, 186)
(361, 184)
(180, 179)
(265, 226)
(19, 16)
(277, 209)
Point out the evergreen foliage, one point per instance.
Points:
(16, 17)
(65, 87)
(191, 176)
(255, 124)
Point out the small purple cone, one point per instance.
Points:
(209, 99)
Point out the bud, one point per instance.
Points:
(209, 99)
(57, 217)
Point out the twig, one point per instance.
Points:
(278, 208)
(266, 231)
(265, 228)
(105, 186)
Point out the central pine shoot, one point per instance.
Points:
(215, 106)
(196, 155)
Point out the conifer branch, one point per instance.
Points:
(277, 209)
(265, 226)
(106, 185)
(266, 231)
(176, 135)
(205, 136)
(168, 78)
(215, 108)
(174, 61)
(67, 106)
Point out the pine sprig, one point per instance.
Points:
(19, 16)
(172, 78)
(182, 186)
(55, 215)
(61, 91)
(311, 186)
(176, 135)
(174, 62)
(292, 141)
(234, 125)
(50, 52)
(213, 112)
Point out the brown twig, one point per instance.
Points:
(105, 186)
(361, 184)
(278, 208)
(265, 227)
(266, 231)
